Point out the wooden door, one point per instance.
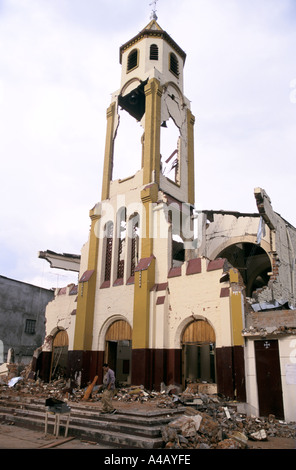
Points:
(269, 382)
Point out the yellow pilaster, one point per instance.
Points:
(151, 155)
(145, 273)
(236, 305)
(149, 195)
(109, 150)
(86, 292)
(190, 136)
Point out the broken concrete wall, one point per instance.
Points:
(61, 314)
(282, 251)
(221, 229)
(271, 243)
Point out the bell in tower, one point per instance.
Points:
(151, 92)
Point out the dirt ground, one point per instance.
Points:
(18, 438)
(273, 443)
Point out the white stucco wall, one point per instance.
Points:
(189, 297)
(287, 353)
(113, 303)
(59, 315)
(148, 68)
(227, 229)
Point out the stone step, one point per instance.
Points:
(132, 428)
(130, 416)
(116, 422)
(107, 436)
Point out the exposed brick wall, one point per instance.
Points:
(278, 318)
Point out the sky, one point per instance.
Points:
(59, 65)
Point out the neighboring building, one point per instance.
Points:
(22, 318)
(165, 293)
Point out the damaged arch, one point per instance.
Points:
(253, 263)
(128, 127)
(173, 131)
(59, 357)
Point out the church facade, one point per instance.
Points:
(167, 294)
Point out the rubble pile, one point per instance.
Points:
(62, 388)
(221, 427)
(19, 386)
(206, 421)
(268, 331)
(139, 394)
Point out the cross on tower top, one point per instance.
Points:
(153, 14)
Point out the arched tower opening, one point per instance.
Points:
(127, 157)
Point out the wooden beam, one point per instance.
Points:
(90, 389)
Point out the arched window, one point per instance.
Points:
(108, 247)
(121, 235)
(132, 60)
(134, 226)
(174, 64)
(170, 143)
(153, 52)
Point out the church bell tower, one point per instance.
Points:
(151, 92)
(137, 237)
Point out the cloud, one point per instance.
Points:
(238, 70)
(59, 64)
(49, 124)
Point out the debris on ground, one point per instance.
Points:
(215, 429)
(206, 419)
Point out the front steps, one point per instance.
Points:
(132, 428)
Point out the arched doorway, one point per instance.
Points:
(59, 358)
(118, 350)
(198, 353)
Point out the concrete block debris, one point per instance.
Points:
(217, 431)
(259, 435)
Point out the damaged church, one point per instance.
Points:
(167, 293)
